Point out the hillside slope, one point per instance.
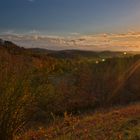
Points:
(37, 88)
(122, 123)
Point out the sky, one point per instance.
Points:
(91, 24)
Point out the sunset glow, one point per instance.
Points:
(87, 25)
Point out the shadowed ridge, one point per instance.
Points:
(11, 47)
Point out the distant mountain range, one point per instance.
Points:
(12, 47)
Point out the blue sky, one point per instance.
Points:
(72, 24)
(69, 16)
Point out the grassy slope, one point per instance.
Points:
(121, 123)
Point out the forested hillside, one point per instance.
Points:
(35, 87)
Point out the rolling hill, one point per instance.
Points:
(41, 87)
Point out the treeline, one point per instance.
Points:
(34, 86)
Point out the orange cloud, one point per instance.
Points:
(116, 42)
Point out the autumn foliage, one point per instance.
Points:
(35, 85)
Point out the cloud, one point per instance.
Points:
(74, 34)
(116, 42)
(34, 32)
(11, 31)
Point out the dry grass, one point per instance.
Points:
(116, 124)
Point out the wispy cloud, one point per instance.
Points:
(34, 32)
(11, 31)
(116, 42)
(74, 34)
